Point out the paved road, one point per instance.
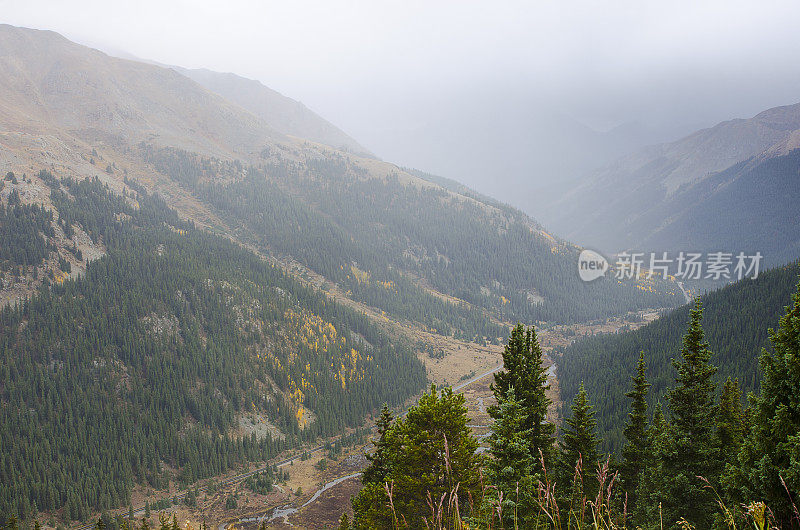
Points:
(685, 292)
(476, 378)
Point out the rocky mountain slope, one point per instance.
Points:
(52, 85)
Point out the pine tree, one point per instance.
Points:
(429, 452)
(378, 466)
(693, 453)
(511, 467)
(12, 523)
(651, 484)
(730, 421)
(344, 522)
(636, 451)
(523, 370)
(770, 453)
(580, 442)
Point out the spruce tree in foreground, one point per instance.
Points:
(650, 492)
(580, 441)
(636, 453)
(378, 466)
(693, 452)
(369, 506)
(523, 370)
(511, 467)
(771, 451)
(730, 421)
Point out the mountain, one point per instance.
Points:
(735, 320)
(704, 192)
(361, 224)
(178, 350)
(185, 289)
(282, 113)
(53, 86)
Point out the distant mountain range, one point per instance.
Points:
(733, 187)
(515, 151)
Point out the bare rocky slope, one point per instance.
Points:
(51, 84)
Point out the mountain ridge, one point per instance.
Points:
(96, 97)
(639, 201)
(285, 114)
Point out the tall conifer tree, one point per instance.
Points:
(511, 467)
(730, 421)
(650, 493)
(771, 451)
(523, 370)
(580, 440)
(693, 453)
(636, 451)
(378, 466)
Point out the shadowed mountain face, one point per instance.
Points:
(281, 113)
(702, 192)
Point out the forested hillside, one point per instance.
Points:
(736, 319)
(455, 263)
(147, 362)
(441, 257)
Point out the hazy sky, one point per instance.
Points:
(382, 70)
